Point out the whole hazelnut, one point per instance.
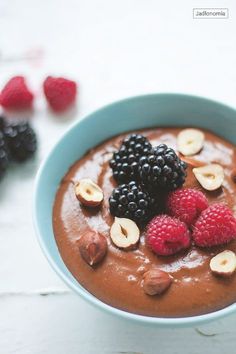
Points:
(156, 281)
(93, 247)
(233, 175)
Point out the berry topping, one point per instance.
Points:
(16, 95)
(215, 226)
(132, 202)
(125, 162)
(162, 169)
(166, 235)
(21, 140)
(4, 155)
(186, 204)
(60, 93)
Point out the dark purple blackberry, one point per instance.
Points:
(4, 154)
(162, 169)
(2, 120)
(125, 162)
(21, 140)
(133, 202)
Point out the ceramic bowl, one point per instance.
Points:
(130, 114)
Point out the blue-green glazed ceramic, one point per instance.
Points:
(130, 114)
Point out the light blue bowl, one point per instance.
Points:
(129, 114)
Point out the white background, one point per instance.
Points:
(114, 49)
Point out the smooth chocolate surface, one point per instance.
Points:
(117, 280)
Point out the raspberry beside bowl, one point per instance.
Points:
(129, 114)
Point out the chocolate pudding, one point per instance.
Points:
(117, 280)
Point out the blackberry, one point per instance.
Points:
(21, 140)
(125, 161)
(2, 120)
(131, 201)
(162, 169)
(4, 155)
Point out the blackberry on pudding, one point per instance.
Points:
(125, 161)
(162, 168)
(131, 201)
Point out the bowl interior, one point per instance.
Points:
(130, 114)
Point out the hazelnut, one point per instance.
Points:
(210, 176)
(224, 263)
(93, 247)
(233, 175)
(88, 193)
(192, 161)
(156, 281)
(190, 141)
(124, 233)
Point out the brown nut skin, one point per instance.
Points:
(156, 282)
(191, 161)
(93, 247)
(233, 175)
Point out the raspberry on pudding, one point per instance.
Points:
(145, 222)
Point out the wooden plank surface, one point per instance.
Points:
(114, 49)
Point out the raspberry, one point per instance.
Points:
(215, 226)
(162, 169)
(16, 95)
(186, 204)
(166, 235)
(60, 93)
(125, 161)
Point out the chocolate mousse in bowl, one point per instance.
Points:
(145, 222)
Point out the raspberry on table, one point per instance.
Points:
(215, 226)
(4, 154)
(16, 95)
(166, 235)
(60, 93)
(125, 161)
(162, 169)
(21, 140)
(132, 202)
(186, 204)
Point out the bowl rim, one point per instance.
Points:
(147, 320)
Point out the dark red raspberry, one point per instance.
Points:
(186, 204)
(166, 235)
(215, 226)
(60, 93)
(16, 95)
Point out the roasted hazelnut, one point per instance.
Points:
(88, 193)
(156, 281)
(233, 175)
(93, 247)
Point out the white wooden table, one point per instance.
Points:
(114, 49)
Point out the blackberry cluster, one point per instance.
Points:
(131, 201)
(162, 169)
(17, 142)
(4, 154)
(21, 140)
(125, 162)
(149, 173)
